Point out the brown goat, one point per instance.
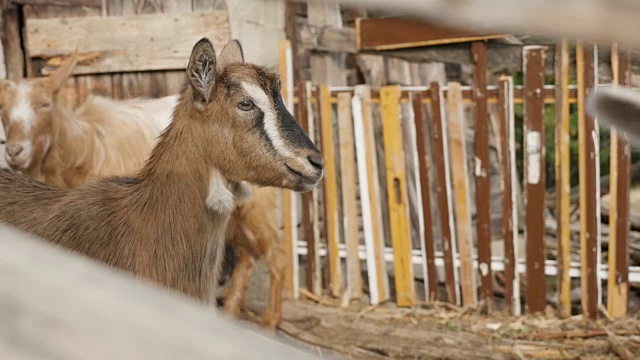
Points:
(167, 224)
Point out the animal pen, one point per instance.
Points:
(406, 216)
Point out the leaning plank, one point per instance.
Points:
(460, 176)
(162, 41)
(76, 308)
(370, 195)
(397, 191)
(349, 186)
(534, 164)
(313, 256)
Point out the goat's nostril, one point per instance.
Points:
(14, 150)
(316, 160)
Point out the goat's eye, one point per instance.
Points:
(246, 105)
(45, 105)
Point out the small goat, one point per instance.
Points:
(167, 224)
(64, 148)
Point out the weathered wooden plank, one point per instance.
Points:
(397, 191)
(329, 39)
(400, 32)
(563, 177)
(66, 306)
(313, 242)
(460, 176)
(302, 113)
(509, 203)
(618, 284)
(482, 181)
(349, 184)
(589, 183)
(162, 41)
(330, 191)
(445, 201)
(326, 68)
(11, 42)
(289, 199)
(370, 195)
(534, 161)
(62, 3)
(429, 243)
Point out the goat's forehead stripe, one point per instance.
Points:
(22, 110)
(271, 127)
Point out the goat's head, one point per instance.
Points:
(27, 109)
(254, 136)
(618, 108)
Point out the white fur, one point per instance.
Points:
(219, 199)
(22, 111)
(262, 101)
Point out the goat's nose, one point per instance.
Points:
(14, 149)
(316, 160)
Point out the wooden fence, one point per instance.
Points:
(422, 132)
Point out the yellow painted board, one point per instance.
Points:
(397, 193)
(460, 178)
(349, 184)
(330, 191)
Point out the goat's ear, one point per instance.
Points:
(619, 108)
(231, 54)
(60, 76)
(201, 71)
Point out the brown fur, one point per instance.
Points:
(167, 223)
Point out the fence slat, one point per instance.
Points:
(313, 242)
(291, 281)
(509, 203)
(332, 229)
(563, 177)
(307, 197)
(483, 182)
(349, 186)
(397, 192)
(618, 286)
(370, 196)
(589, 183)
(459, 173)
(534, 160)
(429, 243)
(445, 202)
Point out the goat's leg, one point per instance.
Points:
(239, 282)
(275, 261)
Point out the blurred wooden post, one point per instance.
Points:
(332, 229)
(589, 183)
(307, 198)
(563, 178)
(535, 184)
(509, 202)
(483, 184)
(372, 223)
(397, 192)
(445, 202)
(619, 182)
(349, 186)
(291, 281)
(459, 172)
(313, 241)
(429, 245)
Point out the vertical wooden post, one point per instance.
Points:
(589, 182)
(445, 202)
(619, 182)
(313, 239)
(291, 283)
(307, 197)
(509, 203)
(397, 190)
(459, 173)
(534, 160)
(349, 186)
(563, 177)
(372, 223)
(428, 245)
(332, 229)
(483, 184)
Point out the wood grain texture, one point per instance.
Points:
(397, 192)
(162, 41)
(70, 307)
(313, 265)
(460, 182)
(349, 184)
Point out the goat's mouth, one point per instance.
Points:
(308, 181)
